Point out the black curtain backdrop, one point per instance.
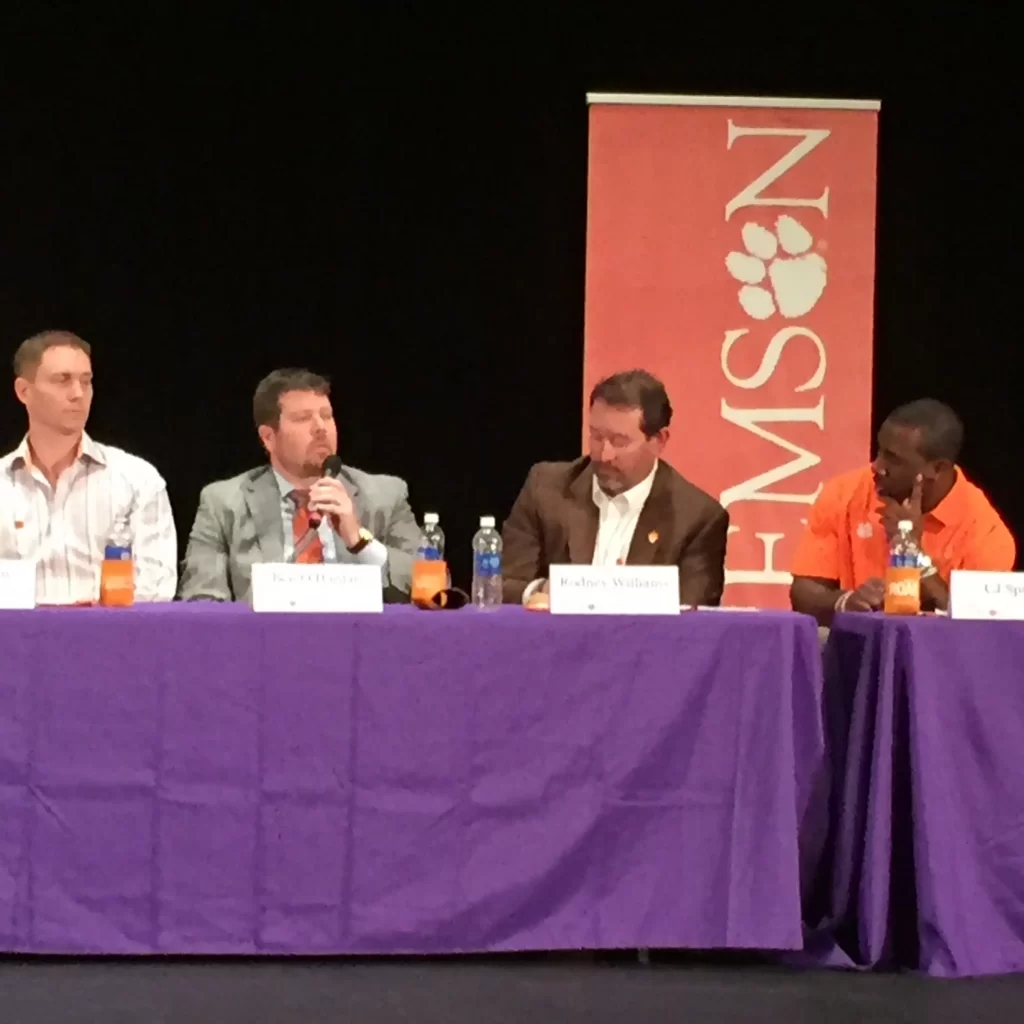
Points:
(399, 201)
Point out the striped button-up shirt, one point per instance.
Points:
(65, 529)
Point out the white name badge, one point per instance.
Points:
(986, 595)
(614, 589)
(284, 587)
(17, 583)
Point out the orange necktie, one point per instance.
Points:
(314, 553)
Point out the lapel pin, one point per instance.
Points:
(653, 536)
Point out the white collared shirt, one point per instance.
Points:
(66, 528)
(375, 553)
(618, 519)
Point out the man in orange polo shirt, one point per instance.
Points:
(841, 561)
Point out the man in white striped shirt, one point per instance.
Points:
(62, 494)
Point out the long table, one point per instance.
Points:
(202, 779)
(927, 736)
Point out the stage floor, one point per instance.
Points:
(485, 990)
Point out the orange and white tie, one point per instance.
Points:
(313, 552)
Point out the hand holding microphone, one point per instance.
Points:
(330, 470)
(329, 497)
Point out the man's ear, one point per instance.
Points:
(21, 387)
(661, 439)
(266, 433)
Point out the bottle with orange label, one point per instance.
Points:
(903, 575)
(117, 573)
(429, 569)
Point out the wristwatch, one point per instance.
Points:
(364, 538)
(926, 566)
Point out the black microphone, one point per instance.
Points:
(331, 468)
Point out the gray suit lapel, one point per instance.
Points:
(358, 498)
(264, 503)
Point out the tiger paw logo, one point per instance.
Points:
(778, 271)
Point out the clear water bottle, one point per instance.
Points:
(431, 547)
(486, 590)
(903, 575)
(117, 573)
(429, 570)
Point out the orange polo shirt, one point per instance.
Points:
(845, 539)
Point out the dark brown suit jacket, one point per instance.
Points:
(554, 522)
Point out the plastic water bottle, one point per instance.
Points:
(486, 589)
(903, 574)
(431, 547)
(429, 570)
(117, 573)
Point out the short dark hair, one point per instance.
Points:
(941, 430)
(637, 389)
(29, 353)
(266, 402)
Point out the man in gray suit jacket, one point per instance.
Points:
(270, 514)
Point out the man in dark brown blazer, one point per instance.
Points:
(618, 505)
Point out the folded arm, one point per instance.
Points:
(934, 593)
(401, 542)
(991, 550)
(815, 596)
(204, 576)
(702, 564)
(522, 535)
(816, 588)
(155, 548)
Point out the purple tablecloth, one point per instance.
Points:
(929, 852)
(202, 779)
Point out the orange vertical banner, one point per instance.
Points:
(731, 252)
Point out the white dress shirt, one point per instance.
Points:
(617, 521)
(375, 553)
(65, 529)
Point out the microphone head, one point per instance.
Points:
(331, 468)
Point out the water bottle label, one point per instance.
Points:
(113, 553)
(488, 565)
(427, 554)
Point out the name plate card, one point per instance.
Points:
(284, 587)
(17, 583)
(986, 595)
(614, 589)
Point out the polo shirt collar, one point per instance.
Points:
(952, 507)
